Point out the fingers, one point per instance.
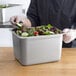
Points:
(20, 19)
(66, 38)
(66, 30)
(69, 36)
(13, 19)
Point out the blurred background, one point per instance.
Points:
(5, 33)
(25, 3)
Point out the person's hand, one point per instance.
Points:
(69, 35)
(17, 19)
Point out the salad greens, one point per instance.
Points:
(36, 31)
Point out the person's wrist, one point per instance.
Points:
(27, 23)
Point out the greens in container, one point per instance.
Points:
(36, 31)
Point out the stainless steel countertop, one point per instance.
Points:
(6, 25)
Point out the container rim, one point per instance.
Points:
(34, 37)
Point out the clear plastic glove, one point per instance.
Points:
(17, 19)
(69, 35)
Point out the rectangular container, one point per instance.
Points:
(37, 49)
(12, 10)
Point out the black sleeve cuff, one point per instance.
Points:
(32, 22)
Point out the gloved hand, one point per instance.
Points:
(17, 19)
(69, 35)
